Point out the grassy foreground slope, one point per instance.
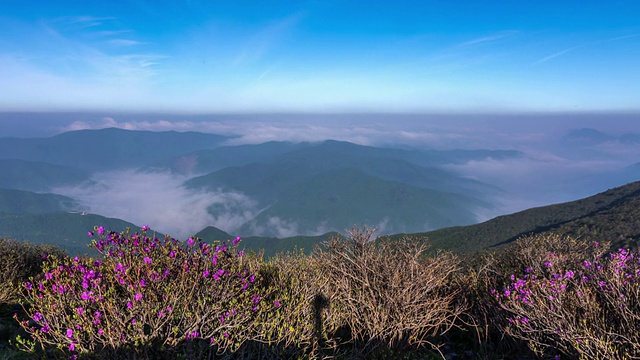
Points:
(613, 215)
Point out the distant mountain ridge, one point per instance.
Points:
(38, 176)
(107, 148)
(27, 202)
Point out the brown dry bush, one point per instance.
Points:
(388, 294)
(298, 326)
(19, 261)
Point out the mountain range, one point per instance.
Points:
(292, 194)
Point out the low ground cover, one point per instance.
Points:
(545, 296)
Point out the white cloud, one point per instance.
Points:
(160, 201)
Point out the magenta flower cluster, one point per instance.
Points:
(565, 299)
(181, 291)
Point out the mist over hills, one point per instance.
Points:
(183, 182)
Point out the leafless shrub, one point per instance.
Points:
(388, 293)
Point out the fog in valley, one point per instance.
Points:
(564, 158)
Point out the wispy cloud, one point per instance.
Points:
(588, 44)
(124, 42)
(84, 21)
(265, 39)
(489, 38)
(560, 53)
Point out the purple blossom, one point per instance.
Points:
(236, 240)
(138, 297)
(100, 230)
(129, 305)
(145, 228)
(37, 317)
(147, 260)
(205, 273)
(191, 241)
(276, 303)
(28, 285)
(80, 310)
(70, 333)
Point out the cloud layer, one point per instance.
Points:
(158, 200)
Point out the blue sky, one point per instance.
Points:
(195, 56)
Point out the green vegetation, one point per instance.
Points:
(542, 296)
(270, 246)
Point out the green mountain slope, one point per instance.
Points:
(613, 215)
(268, 181)
(19, 201)
(269, 245)
(107, 148)
(338, 199)
(63, 229)
(37, 176)
(206, 161)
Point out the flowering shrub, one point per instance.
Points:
(588, 308)
(145, 294)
